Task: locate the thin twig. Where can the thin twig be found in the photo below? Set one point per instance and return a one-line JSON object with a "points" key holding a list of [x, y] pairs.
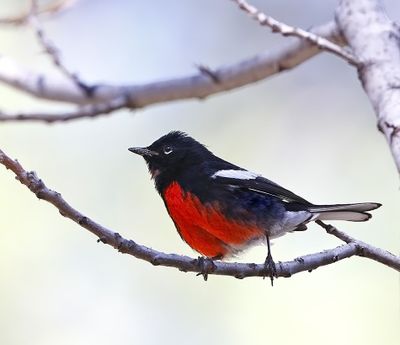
{"points": [[364, 249], [51, 8], [53, 52], [86, 111], [183, 263], [287, 30]]}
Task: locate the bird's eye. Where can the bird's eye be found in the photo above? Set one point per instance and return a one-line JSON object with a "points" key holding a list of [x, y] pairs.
{"points": [[168, 150]]}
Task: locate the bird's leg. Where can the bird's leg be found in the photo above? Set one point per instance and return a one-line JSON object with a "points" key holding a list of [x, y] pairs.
{"points": [[269, 264], [206, 266]]}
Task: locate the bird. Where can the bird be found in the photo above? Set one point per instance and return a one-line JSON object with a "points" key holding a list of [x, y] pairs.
{"points": [[220, 209]]}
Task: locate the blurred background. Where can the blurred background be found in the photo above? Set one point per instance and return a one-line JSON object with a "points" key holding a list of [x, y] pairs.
{"points": [[311, 129]]}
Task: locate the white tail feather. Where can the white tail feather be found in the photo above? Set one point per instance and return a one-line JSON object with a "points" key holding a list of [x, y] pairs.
{"points": [[351, 212], [350, 216]]}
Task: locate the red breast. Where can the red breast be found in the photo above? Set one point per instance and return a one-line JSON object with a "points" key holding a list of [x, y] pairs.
{"points": [[204, 227]]}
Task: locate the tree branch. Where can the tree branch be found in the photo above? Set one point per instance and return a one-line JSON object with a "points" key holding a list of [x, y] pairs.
{"points": [[375, 39], [364, 249], [49, 9], [204, 83], [52, 51], [85, 111], [286, 30], [183, 263]]}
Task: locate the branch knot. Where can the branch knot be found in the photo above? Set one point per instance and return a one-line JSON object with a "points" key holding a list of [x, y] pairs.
{"points": [[35, 184]]}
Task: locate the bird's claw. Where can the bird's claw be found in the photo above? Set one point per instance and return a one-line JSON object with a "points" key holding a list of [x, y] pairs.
{"points": [[270, 268], [206, 266]]}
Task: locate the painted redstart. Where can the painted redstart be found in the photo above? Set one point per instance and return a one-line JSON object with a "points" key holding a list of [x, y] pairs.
{"points": [[220, 209]]}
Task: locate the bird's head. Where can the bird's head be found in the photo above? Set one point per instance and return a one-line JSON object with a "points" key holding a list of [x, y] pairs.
{"points": [[172, 154]]}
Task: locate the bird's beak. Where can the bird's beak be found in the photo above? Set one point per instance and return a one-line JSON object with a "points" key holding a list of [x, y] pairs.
{"points": [[143, 151]]}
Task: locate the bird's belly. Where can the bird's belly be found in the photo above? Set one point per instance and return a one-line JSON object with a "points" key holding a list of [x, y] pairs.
{"points": [[205, 228]]}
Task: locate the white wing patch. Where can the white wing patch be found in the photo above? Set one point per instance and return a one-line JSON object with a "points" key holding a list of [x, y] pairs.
{"points": [[238, 174]]}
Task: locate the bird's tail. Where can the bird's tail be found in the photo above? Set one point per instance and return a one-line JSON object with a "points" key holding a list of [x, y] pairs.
{"points": [[351, 212]]}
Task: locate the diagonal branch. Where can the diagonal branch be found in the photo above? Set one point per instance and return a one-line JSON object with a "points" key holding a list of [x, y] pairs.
{"points": [[49, 9], [375, 39], [85, 111], [287, 30], [364, 249], [52, 51], [204, 83], [183, 263]]}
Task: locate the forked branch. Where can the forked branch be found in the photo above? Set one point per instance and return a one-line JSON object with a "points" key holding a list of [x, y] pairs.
{"points": [[199, 85], [287, 30]]}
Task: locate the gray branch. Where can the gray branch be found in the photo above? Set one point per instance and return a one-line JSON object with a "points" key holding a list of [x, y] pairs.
{"points": [[287, 30], [85, 111], [200, 265], [199, 85], [375, 40]]}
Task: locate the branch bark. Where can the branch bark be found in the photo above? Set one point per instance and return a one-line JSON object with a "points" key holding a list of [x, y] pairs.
{"points": [[375, 40], [200, 265]]}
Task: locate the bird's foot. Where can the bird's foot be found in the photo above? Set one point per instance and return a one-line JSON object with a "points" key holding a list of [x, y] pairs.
{"points": [[270, 268], [206, 266]]}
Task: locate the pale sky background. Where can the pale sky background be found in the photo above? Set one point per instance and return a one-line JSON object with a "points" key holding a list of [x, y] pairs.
{"points": [[311, 129]]}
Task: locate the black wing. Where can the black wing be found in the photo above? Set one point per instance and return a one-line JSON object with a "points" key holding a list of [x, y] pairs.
{"points": [[262, 185]]}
